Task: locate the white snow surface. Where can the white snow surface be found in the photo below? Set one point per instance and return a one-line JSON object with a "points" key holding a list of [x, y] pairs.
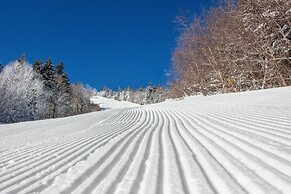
{"points": [[232, 143], [106, 103]]}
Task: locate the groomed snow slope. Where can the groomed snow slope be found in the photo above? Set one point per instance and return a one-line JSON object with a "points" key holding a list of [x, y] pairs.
{"points": [[234, 143]]}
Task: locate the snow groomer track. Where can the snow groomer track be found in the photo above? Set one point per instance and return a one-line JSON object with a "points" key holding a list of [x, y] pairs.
{"points": [[233, 143]]}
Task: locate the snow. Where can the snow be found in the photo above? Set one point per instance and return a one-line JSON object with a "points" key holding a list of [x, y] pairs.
{"points": [[106, 103], [232, 143]]}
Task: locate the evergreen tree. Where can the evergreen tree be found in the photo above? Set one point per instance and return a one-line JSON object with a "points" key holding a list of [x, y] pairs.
{"points": [[1, 67], [60, 68], [65, 82], [22, 59], [62, 91], [49, 84], [37, 67], [47, 73]]}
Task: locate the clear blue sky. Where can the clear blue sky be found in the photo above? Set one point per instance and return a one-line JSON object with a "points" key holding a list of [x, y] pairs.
{"points": [[102, 42]]}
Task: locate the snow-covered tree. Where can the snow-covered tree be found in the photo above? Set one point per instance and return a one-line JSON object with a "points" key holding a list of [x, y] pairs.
{"points": [[80, 99], [150, 94], [20, 93], [39, 92]]}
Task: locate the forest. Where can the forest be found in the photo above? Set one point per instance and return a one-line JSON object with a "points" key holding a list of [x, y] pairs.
{"points": [[236, 46], [40, 91]]}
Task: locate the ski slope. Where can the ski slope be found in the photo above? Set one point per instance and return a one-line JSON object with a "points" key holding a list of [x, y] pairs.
{"points": [[106, 103], [233, 143]]}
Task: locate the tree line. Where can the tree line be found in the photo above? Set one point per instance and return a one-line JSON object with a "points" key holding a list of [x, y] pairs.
{"points": [[148, 95], [237, 46], [40, 91]]}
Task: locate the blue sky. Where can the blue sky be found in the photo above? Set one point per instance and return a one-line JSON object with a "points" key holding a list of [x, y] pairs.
{"points": [[102, 42]]}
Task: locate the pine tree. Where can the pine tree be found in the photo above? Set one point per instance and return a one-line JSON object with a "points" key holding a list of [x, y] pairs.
{"points": [[49, 84], [1, 67], [37, 67], [60, 68], [65, 82], [36, 114], [22, 59], [62, 91], [47, 73]]}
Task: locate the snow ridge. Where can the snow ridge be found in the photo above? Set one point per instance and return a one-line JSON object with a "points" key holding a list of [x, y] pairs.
{"points": [[235, 143]]}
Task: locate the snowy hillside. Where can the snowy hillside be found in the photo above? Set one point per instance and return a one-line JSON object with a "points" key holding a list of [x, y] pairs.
{"points": [[233, 143], [106, 103]]}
